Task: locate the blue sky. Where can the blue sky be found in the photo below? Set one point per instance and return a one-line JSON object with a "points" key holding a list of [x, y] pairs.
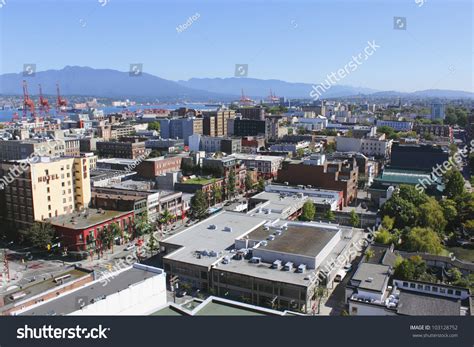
{"points": [[293, 40]]}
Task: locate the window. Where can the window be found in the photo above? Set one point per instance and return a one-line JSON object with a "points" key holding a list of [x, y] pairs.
{"points": [[442, 290], [412, 285], [450, 291], [428, 288], [405, 284], [419, 286], [458, 292], [434, 289], [354, 311]]}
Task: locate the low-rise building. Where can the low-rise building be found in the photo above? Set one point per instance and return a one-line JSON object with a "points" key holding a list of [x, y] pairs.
{"points": [[79, 231], [396, 125], [115, 149], [267, 166], [340, 175], [250, 258], [151, 168], [128, 290]]}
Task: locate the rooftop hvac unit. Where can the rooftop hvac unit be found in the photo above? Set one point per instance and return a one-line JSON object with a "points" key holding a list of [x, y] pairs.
{"points": [[276, 264], [288, 266], [227, 229], [369, 279], [271, 237], [212, 227], [255, 260], [263, 243], [212, 254], [302, 268]]}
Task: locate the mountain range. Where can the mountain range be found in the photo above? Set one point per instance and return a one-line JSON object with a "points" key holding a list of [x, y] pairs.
{"points": [[86, 81]]}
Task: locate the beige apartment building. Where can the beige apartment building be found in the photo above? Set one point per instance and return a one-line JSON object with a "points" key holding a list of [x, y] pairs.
{"points": [[47, 188]]}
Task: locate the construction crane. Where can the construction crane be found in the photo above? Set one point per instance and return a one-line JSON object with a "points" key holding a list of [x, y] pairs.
{"points": [[60, 102], [43, 103], [27, 102]]}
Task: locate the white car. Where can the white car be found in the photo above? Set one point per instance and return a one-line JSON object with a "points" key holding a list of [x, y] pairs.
{"points": [[130, 247]]}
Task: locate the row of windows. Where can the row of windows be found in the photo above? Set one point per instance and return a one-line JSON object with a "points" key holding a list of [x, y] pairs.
{"points": [[433, 289]]}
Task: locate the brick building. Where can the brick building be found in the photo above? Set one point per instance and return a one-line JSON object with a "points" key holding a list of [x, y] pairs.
{"points": [[332, 175], [153, 167]]}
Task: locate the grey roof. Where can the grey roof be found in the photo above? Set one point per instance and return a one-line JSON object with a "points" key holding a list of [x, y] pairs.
{"points": [[371, 276], [304, 240], [69, 303], [199, 237], [418, 304]]}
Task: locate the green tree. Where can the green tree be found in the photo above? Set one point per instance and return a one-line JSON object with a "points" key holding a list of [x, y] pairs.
{"points": [[199, 205], [369, 254], [354, 218], [330, 215], [432, 216], [248, 181], [455, 274], [105, 239], [141, 224], [410, 269], [454, 183], [384, 237], [152, 244], [403, 211], [40, 234], [469, 226], [411, 194], [423, 240], [216, 193], [261, 184], [115, 231], [388, 222], [300, 152], [231, 181], [154, 126], [308, 211], [165, 217], [450, 212]]}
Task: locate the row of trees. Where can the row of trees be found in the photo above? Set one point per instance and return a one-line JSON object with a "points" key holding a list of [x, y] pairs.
{"points": [[200, 201], [308, 213], [42, 235]]}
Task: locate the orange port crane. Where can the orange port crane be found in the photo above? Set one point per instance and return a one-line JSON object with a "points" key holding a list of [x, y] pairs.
{"points": [[43, 102], [60, 102], [27, 102]]}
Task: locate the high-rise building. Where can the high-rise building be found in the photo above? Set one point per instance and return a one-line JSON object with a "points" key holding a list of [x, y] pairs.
{"points": [[437, 111], [220, 123], [49, 187]]}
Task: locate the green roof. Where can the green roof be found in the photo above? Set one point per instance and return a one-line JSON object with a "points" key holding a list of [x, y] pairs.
{"points": [[403, 176], [200, 180]]}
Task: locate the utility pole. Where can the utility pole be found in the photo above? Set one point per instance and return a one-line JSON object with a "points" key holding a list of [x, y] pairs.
{"points": [[174, 282]]}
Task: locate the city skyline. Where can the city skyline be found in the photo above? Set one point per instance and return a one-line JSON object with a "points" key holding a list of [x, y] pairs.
{"points": [[200, 40]]}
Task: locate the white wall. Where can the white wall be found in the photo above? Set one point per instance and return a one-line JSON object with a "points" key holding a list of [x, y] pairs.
{"points": [[138, 299]]}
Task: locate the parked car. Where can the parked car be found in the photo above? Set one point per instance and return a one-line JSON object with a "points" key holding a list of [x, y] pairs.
{"points": [[130, 246]]}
